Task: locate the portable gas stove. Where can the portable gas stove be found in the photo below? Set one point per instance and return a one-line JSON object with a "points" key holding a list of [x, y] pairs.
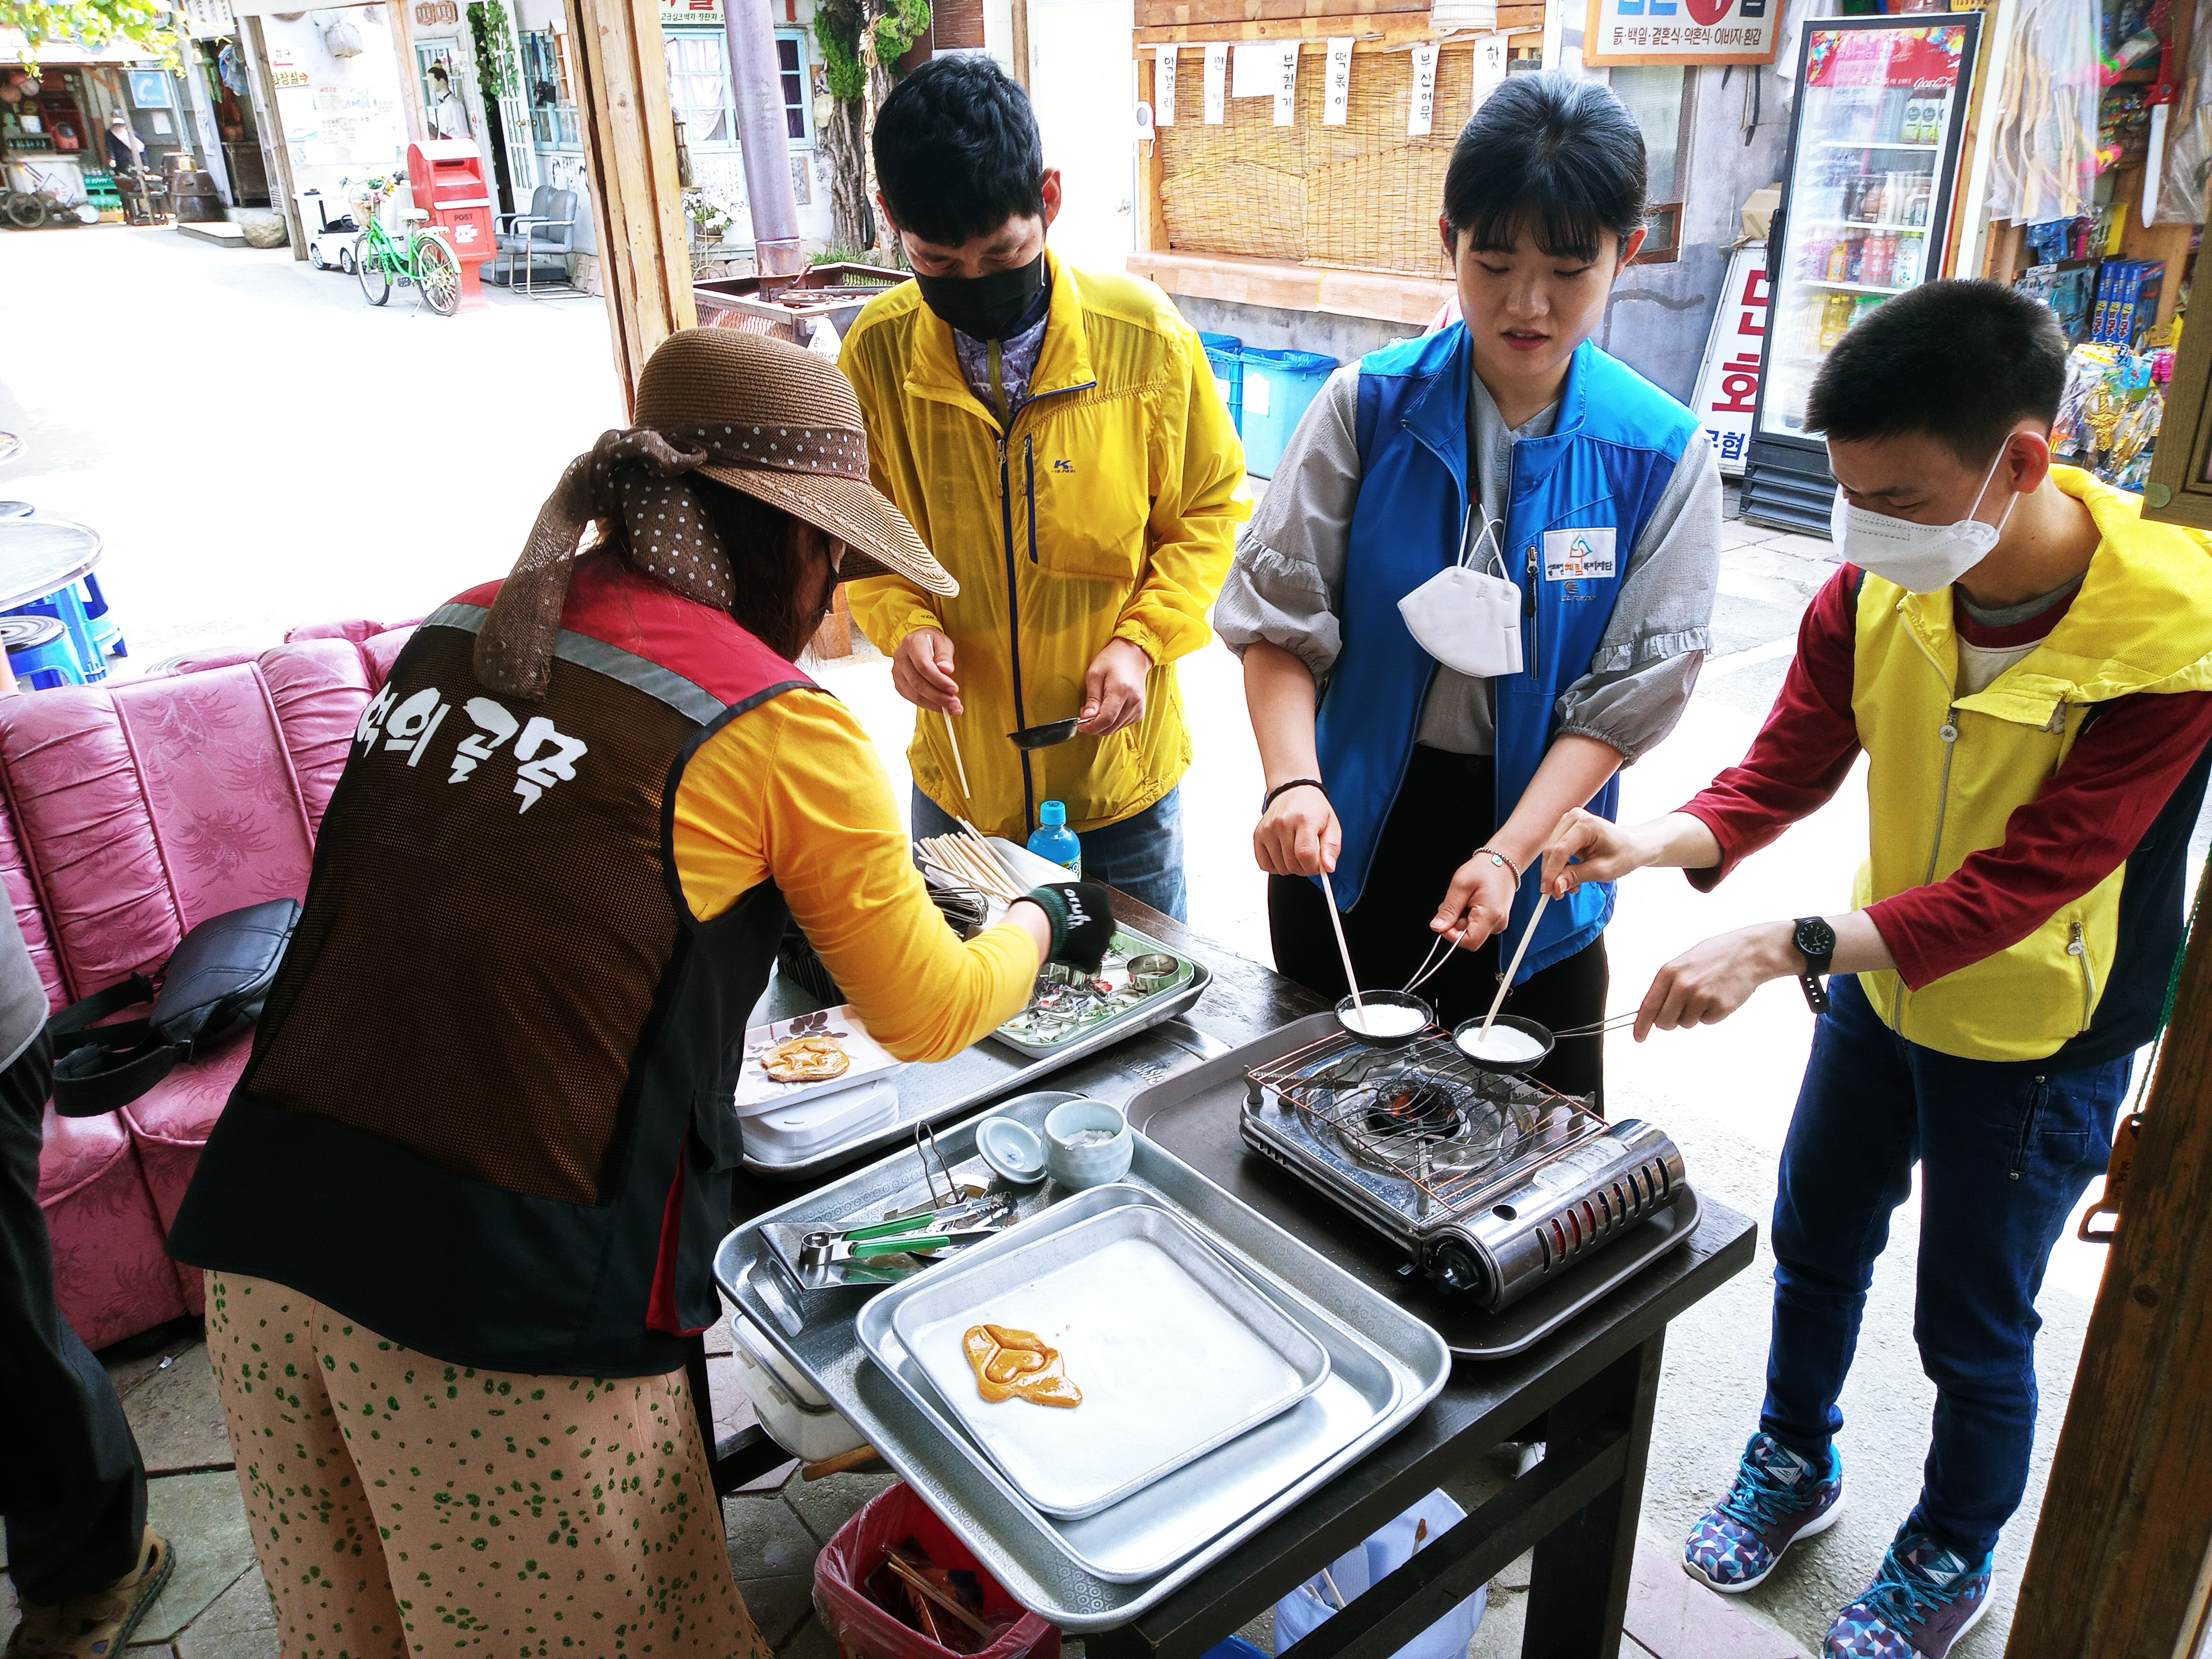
{"points": [[1490, 1184]]}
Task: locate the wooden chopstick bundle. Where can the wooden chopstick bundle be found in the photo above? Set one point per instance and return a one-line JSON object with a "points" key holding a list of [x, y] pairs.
{"points": [[966, 857]]}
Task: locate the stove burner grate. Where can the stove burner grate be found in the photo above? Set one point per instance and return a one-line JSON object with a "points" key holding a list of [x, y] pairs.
{"points": [[1421, 1113]]}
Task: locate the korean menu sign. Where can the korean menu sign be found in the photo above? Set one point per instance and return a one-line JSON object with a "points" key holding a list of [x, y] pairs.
{"points": [[1728, 381], [1682, 32]]}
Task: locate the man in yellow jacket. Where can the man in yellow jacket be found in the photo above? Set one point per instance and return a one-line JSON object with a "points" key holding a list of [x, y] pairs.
{"points": [[1056, 436], [2027, 665]]}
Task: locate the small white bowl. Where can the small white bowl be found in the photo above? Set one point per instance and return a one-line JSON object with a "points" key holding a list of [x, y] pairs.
{"points": [[1092, 1164], [1011, 1149]]}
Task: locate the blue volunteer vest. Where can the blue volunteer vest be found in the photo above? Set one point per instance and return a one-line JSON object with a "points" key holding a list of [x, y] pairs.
{"points": [[1579, 500]]}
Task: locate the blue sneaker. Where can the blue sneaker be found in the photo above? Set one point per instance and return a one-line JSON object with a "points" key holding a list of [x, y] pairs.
{"points": [[1778, 1497], [1923, 1599]]}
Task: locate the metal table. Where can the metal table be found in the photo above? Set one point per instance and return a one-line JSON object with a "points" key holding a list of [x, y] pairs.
{"points": [[38, 556], [1588, 1391]]}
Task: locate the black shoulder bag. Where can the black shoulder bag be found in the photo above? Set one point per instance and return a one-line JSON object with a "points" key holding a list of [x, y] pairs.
{"points": [[211, 989]]}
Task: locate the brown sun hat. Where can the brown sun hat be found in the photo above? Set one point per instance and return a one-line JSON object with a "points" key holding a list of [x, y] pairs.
{"points": [[749, 411]]}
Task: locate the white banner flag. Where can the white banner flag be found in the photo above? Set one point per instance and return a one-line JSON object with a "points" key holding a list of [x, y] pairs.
{"points": [[1420, 112], [1164, 67], [1336, 89], [1489, 57], [1286, 88], [1216, 79]]}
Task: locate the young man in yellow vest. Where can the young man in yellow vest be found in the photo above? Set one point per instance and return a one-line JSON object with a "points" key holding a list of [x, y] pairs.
{"points": [[2028, 667], [1056, 436]]}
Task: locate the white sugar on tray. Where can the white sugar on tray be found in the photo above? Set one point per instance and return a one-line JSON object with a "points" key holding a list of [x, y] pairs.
{"points": [[1383, 1019], [1502, 1045]]}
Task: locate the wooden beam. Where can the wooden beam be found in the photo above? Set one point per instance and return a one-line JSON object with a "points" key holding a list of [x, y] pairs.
{"points": [[401, 13], [1177, 14], [621, 75], [1292, 287], [2119, 1568], [275, 144], [1151, 227]]}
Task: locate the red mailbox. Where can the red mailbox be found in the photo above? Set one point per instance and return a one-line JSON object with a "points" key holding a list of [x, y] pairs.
{"points": [[447, 177]]}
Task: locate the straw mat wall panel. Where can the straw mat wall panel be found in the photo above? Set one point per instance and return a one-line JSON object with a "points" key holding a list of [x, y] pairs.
{"points": [[1362, 196]]}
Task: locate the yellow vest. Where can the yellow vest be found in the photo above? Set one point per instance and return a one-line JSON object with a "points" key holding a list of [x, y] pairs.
{"points": [[1946, 771], [1109, 508]]}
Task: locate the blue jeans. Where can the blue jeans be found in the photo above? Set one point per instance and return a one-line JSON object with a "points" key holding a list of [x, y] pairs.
{"points": [[1141, 855], [2005, 1150]]}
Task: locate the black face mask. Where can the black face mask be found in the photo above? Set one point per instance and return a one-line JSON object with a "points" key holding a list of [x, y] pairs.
{"points": [[984, 308]]}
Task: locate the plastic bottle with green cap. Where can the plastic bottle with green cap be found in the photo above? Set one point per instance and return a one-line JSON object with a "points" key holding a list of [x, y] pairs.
{"points": [[1053, 840]]}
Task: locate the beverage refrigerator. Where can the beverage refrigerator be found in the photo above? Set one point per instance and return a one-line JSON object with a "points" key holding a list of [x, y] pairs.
{"points": [[1874, 141]]}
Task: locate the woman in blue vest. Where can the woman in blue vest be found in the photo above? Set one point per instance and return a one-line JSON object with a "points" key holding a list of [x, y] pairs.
{"points": [[1478, 584]]}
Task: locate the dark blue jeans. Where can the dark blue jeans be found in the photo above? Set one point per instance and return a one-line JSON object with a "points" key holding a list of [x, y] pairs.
{"points": [[2005, 1152], [1142, 855]]}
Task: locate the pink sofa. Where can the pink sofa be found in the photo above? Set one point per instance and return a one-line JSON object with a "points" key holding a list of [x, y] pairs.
{"points": [[129, 812]]}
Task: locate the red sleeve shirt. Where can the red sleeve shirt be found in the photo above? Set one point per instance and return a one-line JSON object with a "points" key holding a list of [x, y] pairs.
{"points": [[2092, 814]]}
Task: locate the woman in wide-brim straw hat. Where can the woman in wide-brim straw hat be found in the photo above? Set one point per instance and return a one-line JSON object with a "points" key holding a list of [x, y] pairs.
{"points": [[457, 1216]]}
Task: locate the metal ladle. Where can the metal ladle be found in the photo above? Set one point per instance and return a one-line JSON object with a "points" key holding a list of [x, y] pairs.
{"points": [[1043, 736]]}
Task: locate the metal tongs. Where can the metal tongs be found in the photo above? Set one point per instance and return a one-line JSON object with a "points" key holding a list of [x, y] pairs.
{"points": [[911, 1235]]}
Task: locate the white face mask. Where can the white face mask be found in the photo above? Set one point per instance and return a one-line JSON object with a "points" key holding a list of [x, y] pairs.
{"points": [[1921, 558], [1466, 618]]}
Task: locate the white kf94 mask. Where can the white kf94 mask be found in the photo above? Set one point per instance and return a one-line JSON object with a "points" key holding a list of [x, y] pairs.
{"points": [[1921, 558], [1466, 618]]}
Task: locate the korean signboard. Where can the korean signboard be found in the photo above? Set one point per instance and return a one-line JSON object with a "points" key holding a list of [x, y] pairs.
{"points": [[1728, 383], [1682, 32]]}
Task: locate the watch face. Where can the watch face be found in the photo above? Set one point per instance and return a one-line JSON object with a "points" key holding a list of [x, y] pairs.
{"points": [[1815, 938]]}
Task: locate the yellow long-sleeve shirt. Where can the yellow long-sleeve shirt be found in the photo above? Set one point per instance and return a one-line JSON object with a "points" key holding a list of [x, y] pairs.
{"points": [[1107, 509], [791, 792]]}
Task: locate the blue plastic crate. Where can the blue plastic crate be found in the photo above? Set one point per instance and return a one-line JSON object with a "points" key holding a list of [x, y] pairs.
{"points": [[1227, 353], [1277, 389]]}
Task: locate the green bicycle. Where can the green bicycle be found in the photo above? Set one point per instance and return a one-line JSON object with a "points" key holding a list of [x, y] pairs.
{"points": [[427, 260]]}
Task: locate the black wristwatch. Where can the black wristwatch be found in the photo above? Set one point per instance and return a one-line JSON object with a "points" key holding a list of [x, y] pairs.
{"points": [[1816, 942]]}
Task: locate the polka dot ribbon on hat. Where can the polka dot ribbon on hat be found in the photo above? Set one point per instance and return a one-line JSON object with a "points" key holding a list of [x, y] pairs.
{"points": [[636, 476]]}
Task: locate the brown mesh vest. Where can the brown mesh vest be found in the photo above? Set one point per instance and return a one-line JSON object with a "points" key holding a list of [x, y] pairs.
{"points": [[487, 1113]]}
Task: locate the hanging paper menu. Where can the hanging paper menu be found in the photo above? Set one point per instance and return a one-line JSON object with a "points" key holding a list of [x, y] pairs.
{"points": [[1216, 79], [1164, 87], [1336, 87], [1420, 112], [1286, 84]]}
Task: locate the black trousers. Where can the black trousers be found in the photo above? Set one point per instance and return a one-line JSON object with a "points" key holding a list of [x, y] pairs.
{"points": [[72, 1489], [1446, 810]]}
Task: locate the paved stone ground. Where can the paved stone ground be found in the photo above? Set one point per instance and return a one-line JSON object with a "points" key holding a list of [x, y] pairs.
{"points": [[260, 448]]}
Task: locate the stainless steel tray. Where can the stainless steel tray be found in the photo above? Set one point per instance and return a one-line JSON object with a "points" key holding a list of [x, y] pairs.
{"points": [[1151, 1010], [1197, 1111], [1176, 1351], [1072, 1572]]}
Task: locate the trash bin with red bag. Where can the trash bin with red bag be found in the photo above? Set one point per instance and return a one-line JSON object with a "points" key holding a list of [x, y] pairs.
{"points": [[856, 1589]]}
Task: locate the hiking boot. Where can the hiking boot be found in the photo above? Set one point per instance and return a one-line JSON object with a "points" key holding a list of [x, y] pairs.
{"points": [[1924, 1598], [1778, 1497], [96, 1626]]}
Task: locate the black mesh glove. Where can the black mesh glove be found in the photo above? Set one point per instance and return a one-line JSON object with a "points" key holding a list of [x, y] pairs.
{"points": [[1082, 917]]}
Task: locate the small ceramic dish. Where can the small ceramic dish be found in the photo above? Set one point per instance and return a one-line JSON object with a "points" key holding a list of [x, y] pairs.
{"points": [[1073, 1156], [1385, 1020], [1464, 1034], [1011, 1149]]}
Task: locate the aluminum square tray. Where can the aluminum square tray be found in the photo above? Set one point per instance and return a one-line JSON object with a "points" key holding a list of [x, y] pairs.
{"points": [[1176, 1352], [1180, 1522], [1102, 1570]]}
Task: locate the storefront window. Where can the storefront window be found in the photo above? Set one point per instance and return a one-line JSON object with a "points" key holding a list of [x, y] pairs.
{"points": [[793, 72], [698, 86], [1657, 96]]}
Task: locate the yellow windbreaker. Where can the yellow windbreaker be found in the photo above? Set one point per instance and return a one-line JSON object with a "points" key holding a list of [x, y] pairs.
{"points": [[1946, 771], [1107, 511]]}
